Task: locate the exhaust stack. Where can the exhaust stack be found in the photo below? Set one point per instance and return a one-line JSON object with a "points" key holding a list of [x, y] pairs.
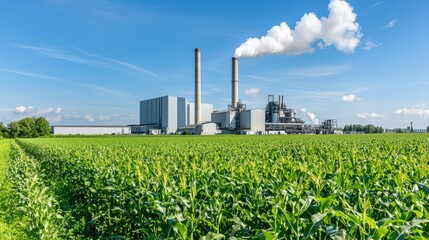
{"points": [[197, 86], [234, 95]]}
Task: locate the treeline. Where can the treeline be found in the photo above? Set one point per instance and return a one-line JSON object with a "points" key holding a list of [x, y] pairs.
{"points": [[361, 128], [26, 128]]}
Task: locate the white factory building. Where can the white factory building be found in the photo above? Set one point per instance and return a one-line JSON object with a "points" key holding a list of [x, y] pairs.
{"points": [[91, 130], [250, 121], [168, 114]]}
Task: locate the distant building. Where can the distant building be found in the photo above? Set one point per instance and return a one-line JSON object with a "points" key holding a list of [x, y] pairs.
{"points": [[91, 130], [168, 113], [244, 120], [206, 111]]}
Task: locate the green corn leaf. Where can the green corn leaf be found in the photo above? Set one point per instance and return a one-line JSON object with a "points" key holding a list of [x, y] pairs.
{"points": [[212, 236], [312, 228]]}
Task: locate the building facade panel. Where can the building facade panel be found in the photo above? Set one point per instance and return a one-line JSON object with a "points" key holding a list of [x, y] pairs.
{"points": [[206, 113], [91, 130]]}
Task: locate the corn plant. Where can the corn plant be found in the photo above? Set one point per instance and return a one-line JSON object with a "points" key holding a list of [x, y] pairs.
{"points": [[239, 187]]}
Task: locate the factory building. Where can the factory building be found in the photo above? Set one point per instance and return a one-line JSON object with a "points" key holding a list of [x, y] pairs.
{"points": [[206, 111], [252, 120], [237, 119], [166, 113], [91, 130], [169, 113]]}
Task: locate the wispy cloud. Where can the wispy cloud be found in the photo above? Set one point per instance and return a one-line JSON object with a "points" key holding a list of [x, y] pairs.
{"points": [[120, 63], [107, 91], [391, 24], [37, 111], [368, 45], [421, 110], [372, 7], [264, 79], [59, 53], [318, 94], [252, 91], [369, 115], [79, 56], [214, 70], [300, 73], [97, 88], [375, 5], [33, 75], [315, 72]]}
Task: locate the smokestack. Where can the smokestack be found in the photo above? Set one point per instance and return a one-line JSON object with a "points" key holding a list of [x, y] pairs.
{"points": [[197, 86], [234, 95]]}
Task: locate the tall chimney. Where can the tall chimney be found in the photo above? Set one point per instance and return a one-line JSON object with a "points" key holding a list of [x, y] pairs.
{"points": [[234, 95], [197, 86]]}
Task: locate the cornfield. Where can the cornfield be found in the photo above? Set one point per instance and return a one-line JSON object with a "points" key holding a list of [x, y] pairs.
{"points": [[224, 187]]}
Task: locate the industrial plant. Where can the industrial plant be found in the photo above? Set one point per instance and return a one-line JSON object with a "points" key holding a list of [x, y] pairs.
{"points": [[176, 115]]}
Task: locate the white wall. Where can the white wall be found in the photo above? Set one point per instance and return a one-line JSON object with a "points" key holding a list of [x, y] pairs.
{"points": [[91, 130], [206, 113], [253, 120]]}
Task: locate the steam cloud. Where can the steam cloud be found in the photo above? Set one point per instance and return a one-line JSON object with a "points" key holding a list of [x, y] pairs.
{"points": [[311, 116], [339, 29]]}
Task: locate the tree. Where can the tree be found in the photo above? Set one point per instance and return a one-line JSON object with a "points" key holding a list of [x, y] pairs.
{"points": [[14, 129], [3, 131], [427, 129], [27, 127], [42, 126]]}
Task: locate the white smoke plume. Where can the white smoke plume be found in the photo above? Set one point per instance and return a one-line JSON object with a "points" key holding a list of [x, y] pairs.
{"points": [[311, 116], [339, 29]]}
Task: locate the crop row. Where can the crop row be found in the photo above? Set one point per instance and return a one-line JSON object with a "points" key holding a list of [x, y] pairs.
{"points": [[234, 187]]}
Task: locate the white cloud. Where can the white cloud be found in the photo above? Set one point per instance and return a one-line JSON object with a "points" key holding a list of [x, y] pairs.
{"points": [[55, 119], [350, 98], [36, 111], [421, 110], [89, 118], [391, 24], [44, 111], [339, 29], [104, 117], [368, 45], [20, 109], [23, 109], [369, 115], [252, 91]]}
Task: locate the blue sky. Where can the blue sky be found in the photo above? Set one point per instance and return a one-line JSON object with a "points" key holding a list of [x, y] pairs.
{"points": [[91, 62]]}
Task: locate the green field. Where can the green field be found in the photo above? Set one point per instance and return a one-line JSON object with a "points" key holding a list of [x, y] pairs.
{"points": [[222, 187]]}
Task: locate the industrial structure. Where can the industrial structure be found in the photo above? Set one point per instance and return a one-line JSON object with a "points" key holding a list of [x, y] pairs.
{"points": [[280, 118], [90, 130], [237, 119], [175, 115], [169, 113]]}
